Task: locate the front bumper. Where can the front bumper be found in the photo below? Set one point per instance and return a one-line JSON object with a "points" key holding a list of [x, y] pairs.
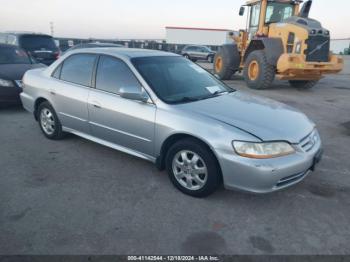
{"points": [[268, 175], [10, 95], [294, 67]]}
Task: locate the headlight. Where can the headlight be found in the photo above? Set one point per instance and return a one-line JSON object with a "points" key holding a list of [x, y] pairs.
{"points": [[6, 83], [313, 32], [262, 150]]}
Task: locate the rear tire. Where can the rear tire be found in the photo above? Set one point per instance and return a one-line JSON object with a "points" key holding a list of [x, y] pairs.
{"points": [[303, 84], [226, 61], [49, 123], [193, 168], [258, 73]]}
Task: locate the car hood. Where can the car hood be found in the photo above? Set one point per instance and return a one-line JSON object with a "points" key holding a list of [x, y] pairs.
{"points": [[262, 117], [16, 71]]}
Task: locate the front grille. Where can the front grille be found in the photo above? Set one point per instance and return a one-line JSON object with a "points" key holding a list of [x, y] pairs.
{"points": [[309, 142], [317, 48]]}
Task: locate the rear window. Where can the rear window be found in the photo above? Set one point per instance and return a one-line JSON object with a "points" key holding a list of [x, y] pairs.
{"points": [[12, 55], [37, 42]]}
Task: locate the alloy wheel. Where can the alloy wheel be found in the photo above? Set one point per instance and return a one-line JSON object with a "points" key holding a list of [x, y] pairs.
{"points": [[190, 170], [47, 121]]}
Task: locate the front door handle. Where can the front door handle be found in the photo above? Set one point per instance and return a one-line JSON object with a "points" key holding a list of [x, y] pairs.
{"points": [[96, 104]]}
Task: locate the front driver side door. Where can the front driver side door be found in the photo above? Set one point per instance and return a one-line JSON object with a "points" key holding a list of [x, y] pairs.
{"points": [[124, 122]]}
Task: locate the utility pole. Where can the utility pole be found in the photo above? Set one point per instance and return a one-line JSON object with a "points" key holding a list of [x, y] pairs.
{"points": [[52, 28]]}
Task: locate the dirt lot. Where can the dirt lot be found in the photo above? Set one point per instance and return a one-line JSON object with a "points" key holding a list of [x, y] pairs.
{"points": [[78, 197]]}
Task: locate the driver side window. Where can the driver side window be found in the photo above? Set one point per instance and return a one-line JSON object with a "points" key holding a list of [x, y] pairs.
{"points": [[255, 16], [254, 20], [113, 74]]}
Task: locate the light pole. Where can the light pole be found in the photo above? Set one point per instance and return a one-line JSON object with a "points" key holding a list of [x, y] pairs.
{"points": [[52, 28]]}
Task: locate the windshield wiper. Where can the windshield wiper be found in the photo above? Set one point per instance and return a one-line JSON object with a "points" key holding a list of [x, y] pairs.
{"points": [[186, 99], [216, 93]]}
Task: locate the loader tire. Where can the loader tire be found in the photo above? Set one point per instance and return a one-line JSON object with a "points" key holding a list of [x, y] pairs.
{"points": [[258, 73], [303, 84], [226, 61]]}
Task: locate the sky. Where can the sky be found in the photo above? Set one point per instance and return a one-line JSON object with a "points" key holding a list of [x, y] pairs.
{"points": [[144, 19]]}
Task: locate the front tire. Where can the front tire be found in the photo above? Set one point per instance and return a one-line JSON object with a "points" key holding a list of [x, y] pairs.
{"points": [[226, 61], [49, 123], [193, 168], [302, 84], [258, 73]]}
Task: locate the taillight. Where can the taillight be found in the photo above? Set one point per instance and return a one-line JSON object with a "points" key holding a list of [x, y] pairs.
{"points": [[57, 54]]}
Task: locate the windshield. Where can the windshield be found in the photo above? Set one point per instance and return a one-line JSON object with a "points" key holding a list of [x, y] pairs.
{"points": [[277, 12], [205, 48], [12, 55], [37, 42], [178, 80]]}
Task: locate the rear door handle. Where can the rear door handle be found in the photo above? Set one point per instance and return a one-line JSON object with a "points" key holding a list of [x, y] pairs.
{"points": [[52, 92]]}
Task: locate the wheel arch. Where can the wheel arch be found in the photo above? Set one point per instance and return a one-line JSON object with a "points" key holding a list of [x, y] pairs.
{"points": [[37, 103], [273, 48], [172, 139]]}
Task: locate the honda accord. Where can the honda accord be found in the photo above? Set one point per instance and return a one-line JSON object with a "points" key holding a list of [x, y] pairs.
{"points": [[166, 109]]}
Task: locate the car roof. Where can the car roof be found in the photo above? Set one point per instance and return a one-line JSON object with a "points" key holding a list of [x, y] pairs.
{"points": [[125, 52], [25, 33], [102, 44]]}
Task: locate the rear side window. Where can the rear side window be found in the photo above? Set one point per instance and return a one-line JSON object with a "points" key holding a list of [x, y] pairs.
{"points": [[113, 74], [13, 55], [78, 69]]}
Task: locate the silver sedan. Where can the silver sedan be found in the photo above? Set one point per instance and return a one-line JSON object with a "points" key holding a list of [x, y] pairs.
{"points": [[164, 108]]}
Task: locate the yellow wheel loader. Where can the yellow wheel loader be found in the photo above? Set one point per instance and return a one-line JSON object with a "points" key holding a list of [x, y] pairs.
{"points": [[280, 41]]}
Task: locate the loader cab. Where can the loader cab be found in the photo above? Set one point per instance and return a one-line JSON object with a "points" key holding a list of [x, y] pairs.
{"points": [[262, 13]]}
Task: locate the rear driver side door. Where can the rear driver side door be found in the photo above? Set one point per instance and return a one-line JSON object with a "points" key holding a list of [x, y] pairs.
{"points": [[70, 90]]}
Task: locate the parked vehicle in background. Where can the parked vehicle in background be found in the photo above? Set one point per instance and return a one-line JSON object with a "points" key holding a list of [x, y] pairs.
{"points": [[198, 52], [93, 45], [40, 46], [14, 62], [163, 108]]}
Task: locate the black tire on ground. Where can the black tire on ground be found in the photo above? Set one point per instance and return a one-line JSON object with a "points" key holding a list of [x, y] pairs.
{"points": [[230, 61], [266, 72], [302, 84], [214, 178], [57, 133]]}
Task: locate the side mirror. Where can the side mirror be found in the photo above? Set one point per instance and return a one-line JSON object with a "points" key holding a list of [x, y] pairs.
{"points": [[241, 11], [134, 93]]}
